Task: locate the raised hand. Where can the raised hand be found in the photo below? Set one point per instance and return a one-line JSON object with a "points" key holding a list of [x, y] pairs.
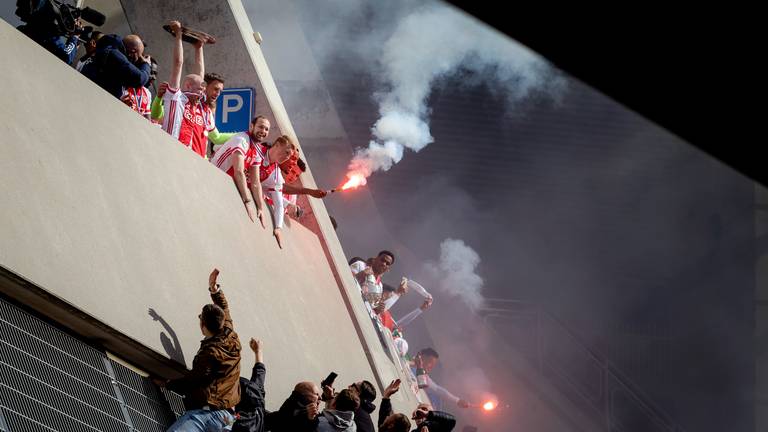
{"points": [[212, 280], [391, 389]]}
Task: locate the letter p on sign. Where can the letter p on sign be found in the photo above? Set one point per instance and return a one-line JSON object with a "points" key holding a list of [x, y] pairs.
{"points": [[232, 103], [234, 109]]}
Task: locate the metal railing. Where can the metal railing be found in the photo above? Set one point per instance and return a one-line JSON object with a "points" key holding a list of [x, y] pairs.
{"points": [[591, 382], [50, 381]]}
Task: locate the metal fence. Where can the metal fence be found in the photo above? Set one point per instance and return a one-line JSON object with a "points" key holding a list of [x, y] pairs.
{"points": [[50, 381]]}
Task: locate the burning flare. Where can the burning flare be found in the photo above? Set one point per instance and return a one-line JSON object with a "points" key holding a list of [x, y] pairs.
{"points": [[489, 406], [354, 181]]}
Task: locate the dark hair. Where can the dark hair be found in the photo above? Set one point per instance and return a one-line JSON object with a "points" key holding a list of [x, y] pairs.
{"points": [[386, 252], [255, 119], [429, 352], [397, 423], [355, 259], [301, 164], [213, 318], [347, 400], [367, 391], [212, 76], [388, 287], [95, 35]]}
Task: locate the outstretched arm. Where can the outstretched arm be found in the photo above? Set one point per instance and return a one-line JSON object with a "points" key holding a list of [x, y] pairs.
{"points": [[178, 56], [241, 183], [218, 297], [259, 371], [219, 138], [278, 210], [299, 190], [258, 195], [199, 59], [442, 392]]}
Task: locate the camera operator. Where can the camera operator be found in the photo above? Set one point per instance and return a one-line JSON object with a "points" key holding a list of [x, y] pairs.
{"points": [[113, 67], [62, 46], [56, 25], [90, 49]]}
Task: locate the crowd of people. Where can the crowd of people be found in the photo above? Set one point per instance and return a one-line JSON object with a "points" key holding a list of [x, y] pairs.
{"points": [[379, 298], [185, 107], [216, 396]]}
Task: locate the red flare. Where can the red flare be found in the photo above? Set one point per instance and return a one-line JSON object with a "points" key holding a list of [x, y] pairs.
{"points": [[354, 181]]}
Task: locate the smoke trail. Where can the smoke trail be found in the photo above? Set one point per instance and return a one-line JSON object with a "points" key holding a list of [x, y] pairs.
{"points": [[433, 42], [456, 272]]}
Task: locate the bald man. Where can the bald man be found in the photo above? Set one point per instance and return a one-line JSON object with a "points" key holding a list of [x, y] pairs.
{"points": [[115, 68], [299, 412], [137, 98], [187, 118]]}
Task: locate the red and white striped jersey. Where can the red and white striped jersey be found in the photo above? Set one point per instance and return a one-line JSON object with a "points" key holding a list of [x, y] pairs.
{"points": [[186, 121], [239, 143], [140, 99]]}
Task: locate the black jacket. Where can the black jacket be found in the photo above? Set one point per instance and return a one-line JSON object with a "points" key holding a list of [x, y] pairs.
{"points": [[250, 410], [112, 70], [363, 417], [438, 421], [385, 410], [291, 417]]}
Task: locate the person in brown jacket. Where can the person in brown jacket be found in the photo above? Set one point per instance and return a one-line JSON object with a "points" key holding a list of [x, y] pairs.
{"points": [[212, 387]]}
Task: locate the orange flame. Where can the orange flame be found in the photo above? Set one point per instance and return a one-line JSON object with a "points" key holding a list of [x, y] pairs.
{"points": [[354, 181], [489, 406]]}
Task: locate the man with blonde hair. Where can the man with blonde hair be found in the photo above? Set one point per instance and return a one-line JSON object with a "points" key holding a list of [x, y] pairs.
{"points": [[255, 168]]}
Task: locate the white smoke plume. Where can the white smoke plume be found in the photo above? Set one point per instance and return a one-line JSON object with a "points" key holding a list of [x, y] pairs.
{"points": [[432, 42], [456, 272]]}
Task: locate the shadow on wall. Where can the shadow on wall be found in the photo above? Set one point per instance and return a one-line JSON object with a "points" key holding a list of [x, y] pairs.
{"points": [[171, 344]]}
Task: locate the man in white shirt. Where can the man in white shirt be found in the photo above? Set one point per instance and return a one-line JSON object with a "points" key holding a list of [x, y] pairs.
{"points": [[368, 274], [429, 358]]}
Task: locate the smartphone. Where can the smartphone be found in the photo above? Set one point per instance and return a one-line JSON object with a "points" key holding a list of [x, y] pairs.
{"points": [[328, 381]]}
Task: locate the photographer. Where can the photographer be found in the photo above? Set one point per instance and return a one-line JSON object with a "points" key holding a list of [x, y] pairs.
{"points": [[428, 420], [113, 65], [298, 413], [138, 98], [90, 49], [62, 46], [56, 25]]}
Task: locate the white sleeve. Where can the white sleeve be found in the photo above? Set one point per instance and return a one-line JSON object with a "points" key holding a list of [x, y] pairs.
{"points": [[388, 303], [418, 288], [443, 393], [239, 142], [278, 207], [358, 266], [409, 317]]}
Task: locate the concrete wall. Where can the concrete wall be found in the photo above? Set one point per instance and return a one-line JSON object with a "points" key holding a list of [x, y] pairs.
{"points": [[108, 216]]}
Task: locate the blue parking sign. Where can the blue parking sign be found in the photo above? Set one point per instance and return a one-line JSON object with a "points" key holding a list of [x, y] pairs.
{"points": [[234, 109]]}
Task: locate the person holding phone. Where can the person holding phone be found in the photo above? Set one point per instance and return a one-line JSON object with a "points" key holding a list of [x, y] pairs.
{"points": [[299, 412]]}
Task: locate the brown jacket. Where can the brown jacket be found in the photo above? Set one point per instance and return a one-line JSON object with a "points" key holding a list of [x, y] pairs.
{"points": [[215, 376]]}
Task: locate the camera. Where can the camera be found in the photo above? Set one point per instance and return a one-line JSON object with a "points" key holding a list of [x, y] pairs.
{"points": [[51, 18]]}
